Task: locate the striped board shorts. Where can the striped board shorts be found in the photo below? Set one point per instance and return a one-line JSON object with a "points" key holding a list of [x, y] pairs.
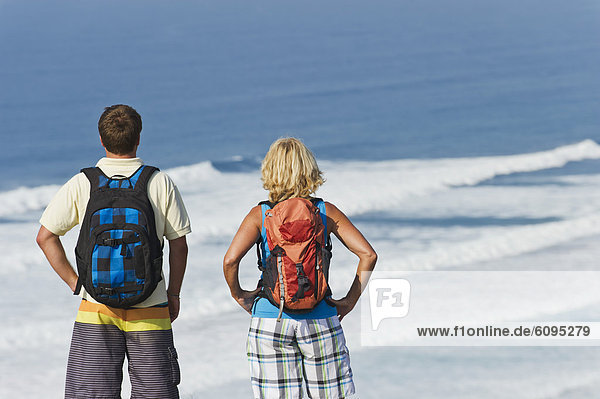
{"points": [[284, 354], [103, 336]]}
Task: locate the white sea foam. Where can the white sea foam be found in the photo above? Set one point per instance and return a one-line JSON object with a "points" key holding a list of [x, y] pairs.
{"points": [[25, 199], [384, 185], [356, 186], [492, 244]]}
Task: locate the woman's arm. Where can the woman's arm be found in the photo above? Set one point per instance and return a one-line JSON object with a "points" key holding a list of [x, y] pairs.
{"points": [[243, 240], [351, 237]]}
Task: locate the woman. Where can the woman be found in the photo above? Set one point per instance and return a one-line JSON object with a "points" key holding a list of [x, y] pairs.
{"points": [[307, 346]]}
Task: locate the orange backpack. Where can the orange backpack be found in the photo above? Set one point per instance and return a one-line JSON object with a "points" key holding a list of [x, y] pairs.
{"points": [[295, 268]]}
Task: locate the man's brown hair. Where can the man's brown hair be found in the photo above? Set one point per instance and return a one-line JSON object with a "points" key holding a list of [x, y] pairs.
{"points": [[120, 127]]}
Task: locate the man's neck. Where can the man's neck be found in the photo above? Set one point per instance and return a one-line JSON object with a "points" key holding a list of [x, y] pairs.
{"points": [[121, 156]]}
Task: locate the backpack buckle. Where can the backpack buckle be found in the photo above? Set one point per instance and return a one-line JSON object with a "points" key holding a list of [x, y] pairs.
{"points": [[304, 284], [112, 242]]}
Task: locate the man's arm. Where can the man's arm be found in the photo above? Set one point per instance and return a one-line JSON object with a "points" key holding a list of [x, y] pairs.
{"points": [[55, 253], [178, 251]]}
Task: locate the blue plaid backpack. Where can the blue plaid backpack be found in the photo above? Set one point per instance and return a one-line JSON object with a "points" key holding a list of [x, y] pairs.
{"points": [[118, 253]]}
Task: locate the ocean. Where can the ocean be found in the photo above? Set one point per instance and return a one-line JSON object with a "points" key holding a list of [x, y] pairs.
{"points": [[455, 135]]}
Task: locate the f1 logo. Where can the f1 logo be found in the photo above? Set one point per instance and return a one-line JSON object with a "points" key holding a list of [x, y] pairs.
{"points": [[388, 297]]}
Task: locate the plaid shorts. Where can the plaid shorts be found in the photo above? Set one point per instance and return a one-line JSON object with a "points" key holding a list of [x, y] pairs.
{"points": [[284, 354]]}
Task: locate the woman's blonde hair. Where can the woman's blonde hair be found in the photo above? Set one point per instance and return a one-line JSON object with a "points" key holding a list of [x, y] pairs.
{"points": [[290, 170]]}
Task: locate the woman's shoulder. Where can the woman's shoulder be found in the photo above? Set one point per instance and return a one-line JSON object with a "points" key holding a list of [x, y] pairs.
{"points": [[331, 209], [255, 211], [255, 215]]}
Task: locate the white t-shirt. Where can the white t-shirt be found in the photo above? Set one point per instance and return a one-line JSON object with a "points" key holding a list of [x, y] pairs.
{"points": [[67, 209]]}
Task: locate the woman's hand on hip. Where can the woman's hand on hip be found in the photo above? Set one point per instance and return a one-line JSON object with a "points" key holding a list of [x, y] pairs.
{"points": [[246, 299]]}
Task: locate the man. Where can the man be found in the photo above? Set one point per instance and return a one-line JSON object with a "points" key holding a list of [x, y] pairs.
{"points": [[103, 335]]}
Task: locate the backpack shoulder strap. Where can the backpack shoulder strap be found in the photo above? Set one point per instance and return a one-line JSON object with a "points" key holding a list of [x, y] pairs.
{"points": [[139, 179], [267, 203], [319, 203], [264, 205], [315, 201], [96, 177], [262, 239]]}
